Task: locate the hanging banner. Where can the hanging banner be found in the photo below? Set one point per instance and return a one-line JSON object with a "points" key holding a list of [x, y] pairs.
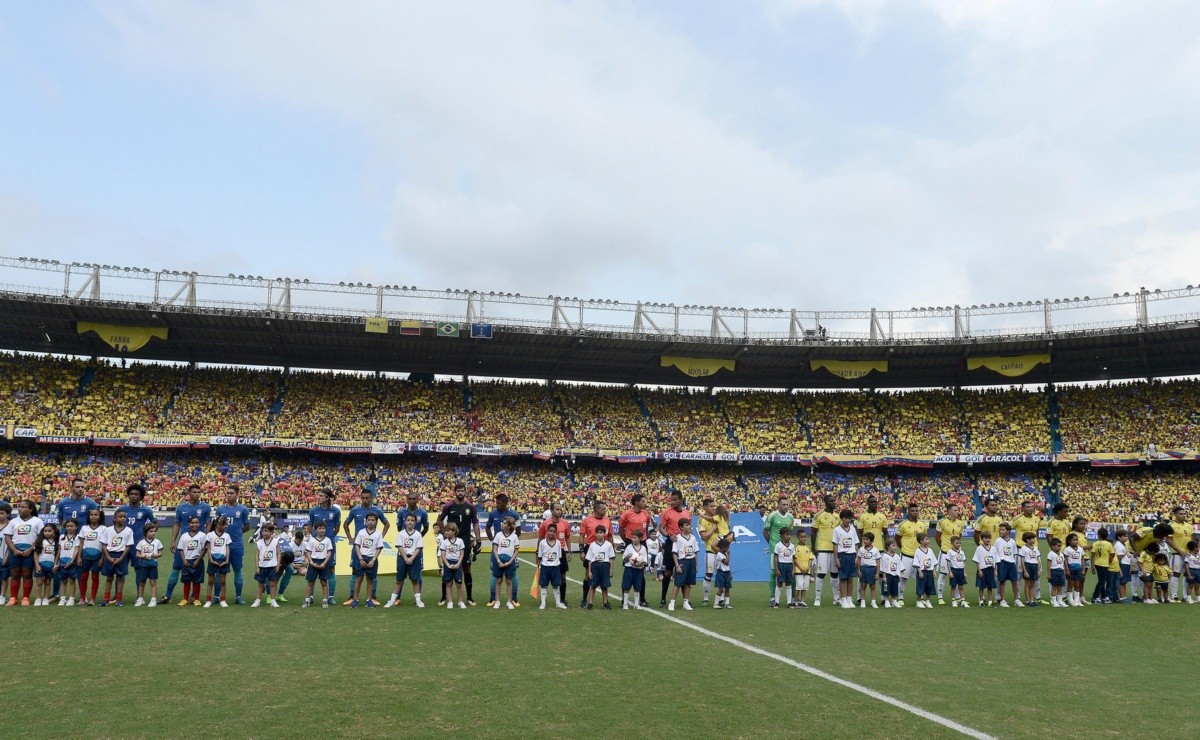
{"points": [[377, 325], [410, 328], [388, 448], [1009, 367], [697, 367], [849, 369], [123, 338]]}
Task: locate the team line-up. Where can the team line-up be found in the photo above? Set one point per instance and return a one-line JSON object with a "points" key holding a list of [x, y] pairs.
{"points": [[63, 563]]}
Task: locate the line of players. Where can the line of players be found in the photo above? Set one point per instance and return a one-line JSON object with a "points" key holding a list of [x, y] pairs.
{"points": [[1165, 558]]}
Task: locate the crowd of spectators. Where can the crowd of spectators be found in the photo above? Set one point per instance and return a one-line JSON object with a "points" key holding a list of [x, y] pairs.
{"points": [[1009, 420], [1129, 494], [234, 401], [1130, 417], [38, 391], [922, 422], [688, 419], [764, 421], [841, 423], [604, 417], [515, 414], [129, 400]]}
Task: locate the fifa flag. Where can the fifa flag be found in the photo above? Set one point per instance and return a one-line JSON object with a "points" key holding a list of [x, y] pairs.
{"points": [[410, 328], [447, 329], [481, 331], [377, 325]]}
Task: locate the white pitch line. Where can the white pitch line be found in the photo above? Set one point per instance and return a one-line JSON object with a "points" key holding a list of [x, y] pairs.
{"points": [[924, 714]]}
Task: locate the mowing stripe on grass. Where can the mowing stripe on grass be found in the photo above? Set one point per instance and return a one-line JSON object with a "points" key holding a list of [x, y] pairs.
{"points": [[936, 718]]}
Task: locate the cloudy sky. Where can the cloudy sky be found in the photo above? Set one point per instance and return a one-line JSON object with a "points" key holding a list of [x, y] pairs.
{"points": [[785, 153]]}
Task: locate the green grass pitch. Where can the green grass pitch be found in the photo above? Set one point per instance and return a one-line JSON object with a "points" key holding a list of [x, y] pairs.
{"points": [[280, 672]]}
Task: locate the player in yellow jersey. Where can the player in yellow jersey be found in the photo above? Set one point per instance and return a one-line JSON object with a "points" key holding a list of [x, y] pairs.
{"points": [[948, 527], [907, 531], [714, 527], [822, 536], [1059, 526], [1181, 534], [1027, 521], [989, 521], [874, 522]]}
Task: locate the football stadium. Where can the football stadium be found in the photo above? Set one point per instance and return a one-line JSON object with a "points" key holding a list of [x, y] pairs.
{"points": [[541, 368]]}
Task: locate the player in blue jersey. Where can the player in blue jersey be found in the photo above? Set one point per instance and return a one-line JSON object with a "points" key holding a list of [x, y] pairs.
{"points": [[358, 517], [237, 527], [413, 506], [190, 507], [331, 516], [137, 514], [74, 507]]}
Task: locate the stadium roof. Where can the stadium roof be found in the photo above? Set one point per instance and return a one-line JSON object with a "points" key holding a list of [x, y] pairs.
{"points": [[248, 320], [228, 336]]}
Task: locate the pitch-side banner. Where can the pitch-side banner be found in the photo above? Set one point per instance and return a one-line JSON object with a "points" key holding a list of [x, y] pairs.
{"points": [[697, 367], [850, 369], [748, 553], [1009, 367]]}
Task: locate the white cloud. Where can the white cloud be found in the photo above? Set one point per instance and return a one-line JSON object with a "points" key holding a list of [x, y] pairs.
{"points": [[582, 148]]}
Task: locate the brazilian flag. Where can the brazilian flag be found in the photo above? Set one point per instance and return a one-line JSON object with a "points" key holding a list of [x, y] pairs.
{"points": [[447, 329]]}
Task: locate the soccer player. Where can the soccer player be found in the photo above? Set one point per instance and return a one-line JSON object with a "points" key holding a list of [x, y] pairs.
{"points": [[669, 524], [845, 540], [948, 527], [329, 515], [192, 506], [783, 556], [587, 535], [146, 553], [1028, 521], [1058, 526], [465, 518], [599, 556], [505, 545], [452, 554], [267, 565], [638, 518], [685, 547], [218, 546], [874, 522], [137, 514], [358, 517], [74, 507], [775, 524], [495, 526], [989, 521], [822, 538], [562, 532], [237, 518], [1181, 535], [635, 558], [907, 532], [413, 507], [118, 544], [714, 527]]}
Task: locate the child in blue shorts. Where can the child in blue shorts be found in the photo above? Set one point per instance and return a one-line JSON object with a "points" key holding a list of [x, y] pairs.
{"points": [[549, 558], [723, 578], [317, 554], [1192, 562], [145, 564], [409, 562], [985, 558], [269, 549]]}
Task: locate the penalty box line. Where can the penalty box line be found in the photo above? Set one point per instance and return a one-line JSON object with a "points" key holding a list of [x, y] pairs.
{"points": [[905, 706]]}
